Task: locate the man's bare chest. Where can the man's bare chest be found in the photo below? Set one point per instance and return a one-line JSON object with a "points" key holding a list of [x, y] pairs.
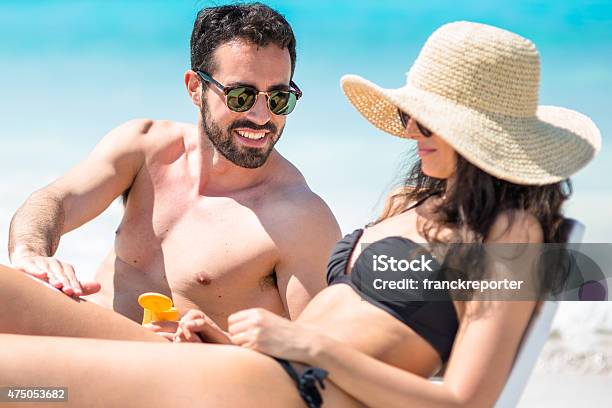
{"points": [[202, 242]]}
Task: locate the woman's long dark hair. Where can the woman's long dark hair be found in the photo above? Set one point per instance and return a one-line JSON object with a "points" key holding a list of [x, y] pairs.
{"points": [[472, 205], [477, 198]]}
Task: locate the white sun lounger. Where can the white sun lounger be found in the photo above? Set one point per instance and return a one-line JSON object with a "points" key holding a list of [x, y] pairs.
{"points": [[534, 338]]}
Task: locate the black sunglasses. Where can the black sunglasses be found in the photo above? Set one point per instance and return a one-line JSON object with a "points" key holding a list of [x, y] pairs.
{"points": [[242, 98], [405, 118]]}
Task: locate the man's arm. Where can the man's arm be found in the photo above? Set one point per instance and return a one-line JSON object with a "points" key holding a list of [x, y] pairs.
{"points": [[305, 246], [75, 198], [37, 225]]}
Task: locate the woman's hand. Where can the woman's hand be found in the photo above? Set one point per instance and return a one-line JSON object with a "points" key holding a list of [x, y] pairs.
{"points": [[196, 327], [263, 331], [166, 330]]}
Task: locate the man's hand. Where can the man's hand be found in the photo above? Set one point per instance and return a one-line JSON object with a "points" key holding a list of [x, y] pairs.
{"points": [[55, 272]]}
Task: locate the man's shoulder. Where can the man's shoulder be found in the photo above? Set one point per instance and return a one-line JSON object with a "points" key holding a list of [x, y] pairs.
{"points": [[300, 199], [156, 130], [291, 190], [150, 135], [303, 225], [297, 205]]}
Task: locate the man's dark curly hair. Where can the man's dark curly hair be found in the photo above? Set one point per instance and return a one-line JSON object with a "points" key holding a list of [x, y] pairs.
{"points": [[254, 23]]}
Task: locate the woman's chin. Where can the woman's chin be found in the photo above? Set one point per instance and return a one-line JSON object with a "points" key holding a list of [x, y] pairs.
{"points": [[435, 172]]}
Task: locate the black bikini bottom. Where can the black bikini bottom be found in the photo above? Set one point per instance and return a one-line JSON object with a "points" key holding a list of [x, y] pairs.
{"points": [[306, 383]]}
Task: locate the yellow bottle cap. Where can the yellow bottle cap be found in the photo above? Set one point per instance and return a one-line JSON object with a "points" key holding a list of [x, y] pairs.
{"points": [[157, 307], [170, 315], [155, 302]]}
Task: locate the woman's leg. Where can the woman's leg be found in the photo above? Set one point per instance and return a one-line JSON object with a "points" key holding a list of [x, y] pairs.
{"points": [[127, 373], [110, 373], [29, 307]]}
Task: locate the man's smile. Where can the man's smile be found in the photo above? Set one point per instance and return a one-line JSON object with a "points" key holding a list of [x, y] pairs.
{"points": [[252, 134], [252, 138]]}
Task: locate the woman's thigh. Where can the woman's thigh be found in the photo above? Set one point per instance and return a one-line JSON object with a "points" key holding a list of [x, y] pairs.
{"points": [[120, 373], [30, 307], [107, 371]]}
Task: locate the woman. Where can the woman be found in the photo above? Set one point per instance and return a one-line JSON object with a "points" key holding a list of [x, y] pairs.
{"points": [[493, 169]]}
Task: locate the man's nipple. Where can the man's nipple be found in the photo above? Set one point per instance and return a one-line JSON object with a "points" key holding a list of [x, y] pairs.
{"points": [[203, 279]]}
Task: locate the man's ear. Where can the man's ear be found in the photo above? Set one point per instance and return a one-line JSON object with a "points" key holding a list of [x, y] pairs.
{"points": [[192, 83]]}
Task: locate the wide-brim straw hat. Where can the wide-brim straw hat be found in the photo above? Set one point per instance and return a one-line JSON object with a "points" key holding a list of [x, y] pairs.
{"points": [[476, 86]]}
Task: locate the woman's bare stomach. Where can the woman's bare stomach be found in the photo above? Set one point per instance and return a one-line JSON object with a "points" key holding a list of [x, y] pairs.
{"points": [[342, 314]]}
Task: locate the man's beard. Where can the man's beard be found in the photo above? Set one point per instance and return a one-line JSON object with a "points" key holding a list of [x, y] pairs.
{"points": [[243, 156]]}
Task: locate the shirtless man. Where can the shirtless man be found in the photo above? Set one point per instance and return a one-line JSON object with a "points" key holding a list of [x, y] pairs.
{"points": [[214, 216]]}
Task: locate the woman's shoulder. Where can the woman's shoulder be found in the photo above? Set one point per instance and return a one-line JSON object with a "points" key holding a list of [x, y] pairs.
{"points": [[396, 201]]}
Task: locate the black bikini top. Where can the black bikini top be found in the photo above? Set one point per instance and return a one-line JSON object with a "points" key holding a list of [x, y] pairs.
{"points": [[434, 320]]}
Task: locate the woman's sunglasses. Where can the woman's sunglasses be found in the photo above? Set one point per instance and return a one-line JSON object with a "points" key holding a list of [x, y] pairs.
{"points": [[242, 98], [405, 118]]}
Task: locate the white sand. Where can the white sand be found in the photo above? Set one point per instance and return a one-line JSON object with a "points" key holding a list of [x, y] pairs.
{"points": [[567, 390]]}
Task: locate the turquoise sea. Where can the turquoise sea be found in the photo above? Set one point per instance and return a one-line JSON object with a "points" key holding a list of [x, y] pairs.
{"points": [[72, 70]]}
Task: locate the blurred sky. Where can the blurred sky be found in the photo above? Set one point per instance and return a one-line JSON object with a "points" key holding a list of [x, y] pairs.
{"points": [[72, 70]]}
